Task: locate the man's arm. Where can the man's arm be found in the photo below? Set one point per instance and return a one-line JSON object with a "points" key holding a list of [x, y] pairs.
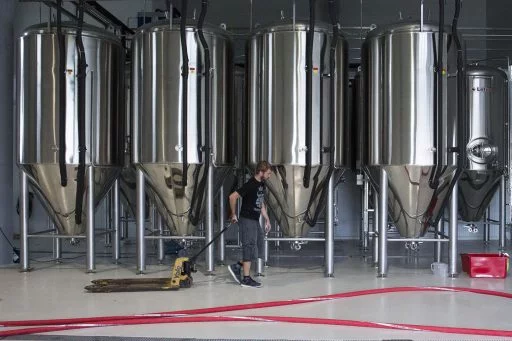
{"points": [[265, 215], [233, 197]]}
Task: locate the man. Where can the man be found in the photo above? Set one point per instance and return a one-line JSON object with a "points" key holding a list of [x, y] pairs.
{"points": [[253, 193]]}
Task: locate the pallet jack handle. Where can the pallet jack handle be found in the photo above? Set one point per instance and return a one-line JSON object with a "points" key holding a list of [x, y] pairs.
{"points": [[193, 259]]}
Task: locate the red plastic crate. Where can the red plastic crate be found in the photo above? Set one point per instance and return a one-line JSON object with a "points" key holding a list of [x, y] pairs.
{"points": [[489, 265]]}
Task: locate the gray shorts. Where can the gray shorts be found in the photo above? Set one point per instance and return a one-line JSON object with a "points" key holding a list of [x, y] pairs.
{"points": [[252, 239]]}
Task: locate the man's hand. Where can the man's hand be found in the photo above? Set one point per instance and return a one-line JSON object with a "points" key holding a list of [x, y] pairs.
{"points": [[233, 219], [267, 225]]}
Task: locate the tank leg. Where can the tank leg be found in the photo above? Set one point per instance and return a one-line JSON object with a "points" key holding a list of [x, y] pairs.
{"points": [[438, 246], [24, 260], [365, 227], [503, 217], [115, 222], [329, 230], [90, 230], [141, 242], [375, 227], [453, 232], [222, 220], [210, 255], [57, 245], [383, 224]]}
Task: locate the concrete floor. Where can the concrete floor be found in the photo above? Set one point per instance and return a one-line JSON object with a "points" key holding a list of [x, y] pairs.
{"points": [[53, 290]]}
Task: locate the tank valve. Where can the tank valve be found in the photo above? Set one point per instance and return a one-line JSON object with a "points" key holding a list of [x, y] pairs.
{"points": [[74, 241], [296, 245], [413, 246], [472, 228]]}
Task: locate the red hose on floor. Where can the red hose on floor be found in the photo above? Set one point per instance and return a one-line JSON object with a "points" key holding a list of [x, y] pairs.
{"points": [[184, 316]]}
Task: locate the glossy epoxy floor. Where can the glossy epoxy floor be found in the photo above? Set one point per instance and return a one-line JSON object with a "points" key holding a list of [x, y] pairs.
{"points": [[56, 291]]}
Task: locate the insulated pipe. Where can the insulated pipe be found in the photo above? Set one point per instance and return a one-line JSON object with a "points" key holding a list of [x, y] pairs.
{"points": [[309, 91], [51, 4], [207, 70], [115, 221], [329, 226], [160, 226], [461, 88], [184, 90], [453, 231], [329, 230], [198, 195], [440, 87], [141, 243], [24, 260], [438, 101], [222, 219], [383, 225], [460, 130], [502, 214], [91, 260], [81, 75], [333, 9], [62, 98], [461, 84], [375, 228], [210, 257]]}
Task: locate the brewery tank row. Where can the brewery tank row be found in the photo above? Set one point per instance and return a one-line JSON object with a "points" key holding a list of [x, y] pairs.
{"points": [[296, 118]]}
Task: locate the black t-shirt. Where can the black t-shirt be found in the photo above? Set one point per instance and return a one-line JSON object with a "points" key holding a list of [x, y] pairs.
{"points": [[252, 192]]}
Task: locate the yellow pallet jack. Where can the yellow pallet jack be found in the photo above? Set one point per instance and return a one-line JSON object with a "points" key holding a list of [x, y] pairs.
{"points": [[181, 277]]}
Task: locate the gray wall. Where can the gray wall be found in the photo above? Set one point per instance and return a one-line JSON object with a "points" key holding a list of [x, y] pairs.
{"points": [[498, 17], [6, 133]]}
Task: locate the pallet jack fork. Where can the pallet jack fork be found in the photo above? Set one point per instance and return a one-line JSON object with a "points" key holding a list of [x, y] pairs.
{"points": [[181, 277]]}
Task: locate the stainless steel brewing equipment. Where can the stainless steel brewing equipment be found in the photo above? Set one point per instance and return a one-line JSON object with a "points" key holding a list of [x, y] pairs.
{"points": [[399, 66], [487, 96], [39, 109], [157, 138], [277, 118]]}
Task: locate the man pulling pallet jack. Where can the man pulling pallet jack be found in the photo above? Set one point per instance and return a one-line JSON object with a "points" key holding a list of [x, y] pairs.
{"points": [[252, 244]]}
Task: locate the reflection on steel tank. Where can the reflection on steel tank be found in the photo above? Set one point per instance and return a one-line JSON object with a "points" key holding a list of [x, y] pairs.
{"points": [[40, 114], [159, 138], [487, 104], [406, 134], [278, 124]]}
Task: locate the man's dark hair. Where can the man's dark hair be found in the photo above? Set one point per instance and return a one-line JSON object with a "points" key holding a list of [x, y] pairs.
{"points": [[262, 166]]}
